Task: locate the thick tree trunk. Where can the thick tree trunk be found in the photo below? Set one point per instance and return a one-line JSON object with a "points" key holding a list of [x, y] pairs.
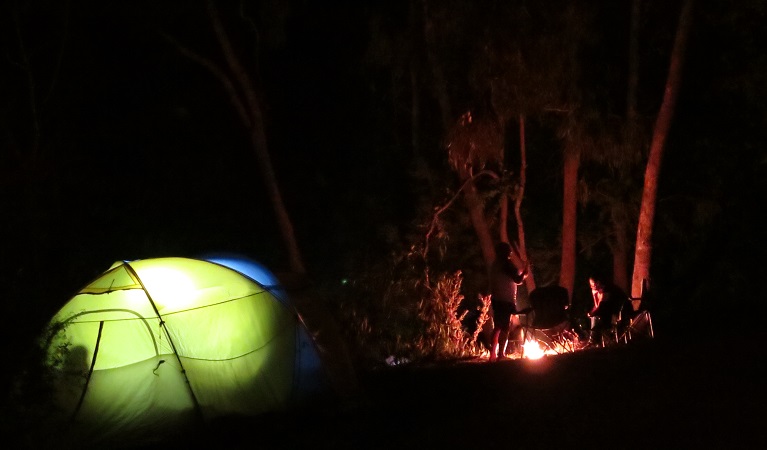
{"points": [[643, 251], [479, 222], [569, 220]]}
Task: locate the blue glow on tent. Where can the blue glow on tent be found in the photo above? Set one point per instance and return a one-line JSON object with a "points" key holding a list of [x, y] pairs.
{"points": [[311, 378], [253, 270]]}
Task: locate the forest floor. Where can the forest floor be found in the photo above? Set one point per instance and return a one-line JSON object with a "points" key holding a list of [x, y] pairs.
{"points": [[681, 393]]}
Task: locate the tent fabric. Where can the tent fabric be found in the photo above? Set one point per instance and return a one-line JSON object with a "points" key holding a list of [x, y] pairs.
{"points": [[312, 376], [161, 344], [328, 360]]}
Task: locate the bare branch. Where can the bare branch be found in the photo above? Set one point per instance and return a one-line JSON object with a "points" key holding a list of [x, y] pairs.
{"points": [[234, 64], [439, 211], [219, 73]]}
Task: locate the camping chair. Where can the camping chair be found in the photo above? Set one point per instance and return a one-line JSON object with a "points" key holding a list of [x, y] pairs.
{"points": [[619, 328], [616, 331], [615, 334], [547, 320], [605, 335], [640, 326]]}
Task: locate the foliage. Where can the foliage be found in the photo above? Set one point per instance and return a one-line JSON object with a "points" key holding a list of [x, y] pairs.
{"points": [[30, 407], [399, 309], [473, 143], [445, 335]]}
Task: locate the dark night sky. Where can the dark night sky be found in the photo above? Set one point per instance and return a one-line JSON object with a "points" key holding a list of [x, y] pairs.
{"points": [[153, 149], [148, 158]]}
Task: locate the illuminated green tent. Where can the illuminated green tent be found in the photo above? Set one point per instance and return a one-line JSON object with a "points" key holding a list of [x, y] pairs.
{"points": [[155, 346]]}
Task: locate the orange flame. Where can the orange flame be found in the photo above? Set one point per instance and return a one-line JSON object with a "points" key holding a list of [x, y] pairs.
{"points": [[533, 349]]}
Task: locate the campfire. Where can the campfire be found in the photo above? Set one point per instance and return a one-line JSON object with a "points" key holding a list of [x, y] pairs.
{"points": [[539, 343], [533, 349], [565, 342]]}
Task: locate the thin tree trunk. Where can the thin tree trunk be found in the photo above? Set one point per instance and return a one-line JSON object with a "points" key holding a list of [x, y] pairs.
{"points": [[258, 141], [569, 219], [620, 245], [503, 212], [643, 251], [503, 219], [520, 194], [619, 248]]}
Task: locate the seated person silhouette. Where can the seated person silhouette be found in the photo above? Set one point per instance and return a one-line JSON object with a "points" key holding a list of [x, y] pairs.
{"points": [[608, 302]]}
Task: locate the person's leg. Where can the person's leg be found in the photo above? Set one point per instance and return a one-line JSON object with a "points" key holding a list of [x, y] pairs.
{"points": [[503, 339], [599, 331], [494, 344], [594, 337], [498, 323], [513, 336], [504, 325]]}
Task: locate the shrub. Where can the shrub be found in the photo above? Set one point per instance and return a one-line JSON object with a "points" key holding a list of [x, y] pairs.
{"points": [[398, 312]]}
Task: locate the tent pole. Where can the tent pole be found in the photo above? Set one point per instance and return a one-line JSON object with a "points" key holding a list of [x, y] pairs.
{"points": [[90, 371], [173, 346]]}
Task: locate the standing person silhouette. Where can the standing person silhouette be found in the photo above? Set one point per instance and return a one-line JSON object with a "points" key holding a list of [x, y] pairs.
{"points": [[504, 278]]}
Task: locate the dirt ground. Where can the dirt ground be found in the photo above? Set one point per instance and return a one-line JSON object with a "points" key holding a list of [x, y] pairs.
{"points": [[660, 394]]}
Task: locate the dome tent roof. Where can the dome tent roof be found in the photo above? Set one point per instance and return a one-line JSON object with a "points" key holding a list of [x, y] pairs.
{"points": [[160, 344]]}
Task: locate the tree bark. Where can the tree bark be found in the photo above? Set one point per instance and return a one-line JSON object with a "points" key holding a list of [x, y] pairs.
{"points": [[643, 251]]}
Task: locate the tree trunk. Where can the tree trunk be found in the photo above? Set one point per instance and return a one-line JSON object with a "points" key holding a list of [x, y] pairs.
{"points": [[569, 220], [503, 218], [472, 199], [643, 251], [619, 248], [520, 194], [479, 222], [254, 120], [620, 245], [258, 139]]}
